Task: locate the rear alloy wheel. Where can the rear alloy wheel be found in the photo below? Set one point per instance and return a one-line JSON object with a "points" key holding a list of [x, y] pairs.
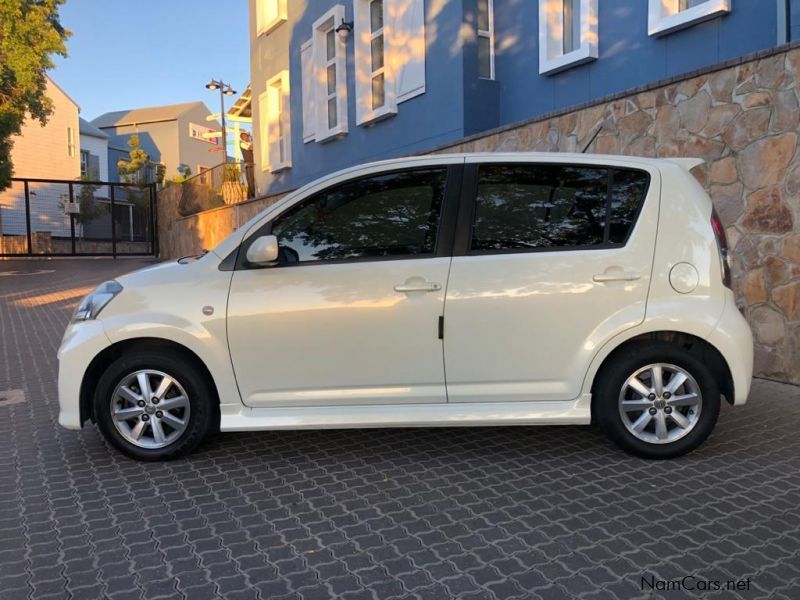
{"points": [[660, 403], [154, 405], [656, 400]]}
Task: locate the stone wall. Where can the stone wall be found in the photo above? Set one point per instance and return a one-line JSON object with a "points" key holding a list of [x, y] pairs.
{"points": [[743, 120], [183, 236], [44, 243]]}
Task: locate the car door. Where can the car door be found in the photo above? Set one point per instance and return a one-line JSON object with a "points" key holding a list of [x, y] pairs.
{"points": [[550, 260], [350, 315]]}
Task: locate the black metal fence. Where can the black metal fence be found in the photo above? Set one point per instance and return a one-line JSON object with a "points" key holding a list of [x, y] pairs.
{"points": [[222, 185], [50, 217]]}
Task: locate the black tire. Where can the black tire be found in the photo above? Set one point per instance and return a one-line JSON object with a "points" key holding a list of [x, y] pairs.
{"points": [[621, 365], [202, 402]]}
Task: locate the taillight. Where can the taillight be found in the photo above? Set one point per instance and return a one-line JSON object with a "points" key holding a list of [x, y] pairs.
{"points": [[722, 244]]}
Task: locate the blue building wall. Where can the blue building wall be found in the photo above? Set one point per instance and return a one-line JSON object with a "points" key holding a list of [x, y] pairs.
{"points": [[431, 119], [628, 56], [457, 103]]}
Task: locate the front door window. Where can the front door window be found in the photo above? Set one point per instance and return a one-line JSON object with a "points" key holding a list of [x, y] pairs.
{"points": [[386, 216]]}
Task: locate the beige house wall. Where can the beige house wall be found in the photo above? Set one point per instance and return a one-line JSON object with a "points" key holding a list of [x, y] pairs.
{"points": [[42, 151], [743, 119]]}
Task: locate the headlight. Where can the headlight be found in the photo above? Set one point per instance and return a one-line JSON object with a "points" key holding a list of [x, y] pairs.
{"points": [[92, 304]]}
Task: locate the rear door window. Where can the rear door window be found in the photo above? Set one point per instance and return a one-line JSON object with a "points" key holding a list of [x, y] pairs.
{"points": [[537, 207]]}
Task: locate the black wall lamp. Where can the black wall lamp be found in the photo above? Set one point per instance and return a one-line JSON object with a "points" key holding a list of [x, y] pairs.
{"points": [[344, 29]]}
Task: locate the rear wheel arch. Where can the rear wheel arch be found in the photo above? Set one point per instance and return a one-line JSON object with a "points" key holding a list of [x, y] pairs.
{"points": [[103, 360], [692, 344]]}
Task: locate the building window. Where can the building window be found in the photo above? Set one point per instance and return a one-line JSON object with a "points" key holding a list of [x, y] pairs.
{"points": [[269, 14], [375, 85], [486, 39], [567, 34], [666, 16], [84, 163], [390, 53], [204, 175], [377, 54], [70, 142], [276, 149], [330, 76], [572, 25]]}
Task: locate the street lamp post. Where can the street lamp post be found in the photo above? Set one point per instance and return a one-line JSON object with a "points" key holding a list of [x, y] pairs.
{"points": [[224, 90]]}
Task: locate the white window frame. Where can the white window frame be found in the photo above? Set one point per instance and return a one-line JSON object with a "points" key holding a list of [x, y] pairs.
{"points": [[330, 20], [365, 113], [276, 124], [269, 14], [665, 16], [483, 33], [84, 154], [552, 57]]}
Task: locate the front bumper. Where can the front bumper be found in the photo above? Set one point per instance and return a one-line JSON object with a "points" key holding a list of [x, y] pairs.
{"points": [[733, 338], [81, 344]]}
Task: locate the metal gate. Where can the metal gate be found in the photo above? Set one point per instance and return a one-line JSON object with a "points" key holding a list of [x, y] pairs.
{"points": [[51, 217]]}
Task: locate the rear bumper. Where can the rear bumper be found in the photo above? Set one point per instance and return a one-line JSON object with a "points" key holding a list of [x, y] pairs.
{"points": [[81, 343], [734, 340]]}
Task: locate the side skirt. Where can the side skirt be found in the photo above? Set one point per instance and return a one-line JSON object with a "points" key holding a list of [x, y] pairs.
{"points": [[472, 414]]}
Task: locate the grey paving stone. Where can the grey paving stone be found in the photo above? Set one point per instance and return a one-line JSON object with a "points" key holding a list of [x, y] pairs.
{"points": [[550, 512]]}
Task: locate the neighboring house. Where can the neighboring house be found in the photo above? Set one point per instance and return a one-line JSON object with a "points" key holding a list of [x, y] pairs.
{"points": [[417, 74], [50, 151], [94, 152], [171, 135]]}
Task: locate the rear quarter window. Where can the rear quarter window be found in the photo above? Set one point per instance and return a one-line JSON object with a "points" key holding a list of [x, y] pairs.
{"points": [[539, 207]]}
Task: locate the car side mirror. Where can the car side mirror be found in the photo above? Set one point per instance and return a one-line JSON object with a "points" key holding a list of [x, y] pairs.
{"points": [[263, 251]]}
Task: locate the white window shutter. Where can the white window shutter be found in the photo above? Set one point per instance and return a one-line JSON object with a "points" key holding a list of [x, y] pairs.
{"points": [[263, 129], [307, 92], [407, 22]]}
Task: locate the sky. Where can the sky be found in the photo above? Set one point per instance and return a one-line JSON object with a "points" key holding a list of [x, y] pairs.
{"points": [[132, 54]]}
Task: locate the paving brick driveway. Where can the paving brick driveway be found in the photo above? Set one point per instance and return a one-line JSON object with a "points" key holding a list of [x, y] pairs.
{"points": [[551, 512]]}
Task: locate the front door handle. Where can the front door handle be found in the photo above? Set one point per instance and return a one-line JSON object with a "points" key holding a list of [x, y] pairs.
{"points": [[616, 275], [413, 286]]}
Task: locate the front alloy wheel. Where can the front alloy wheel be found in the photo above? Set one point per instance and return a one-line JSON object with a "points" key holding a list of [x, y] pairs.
{"points": [[155, 404], [150, 409]]}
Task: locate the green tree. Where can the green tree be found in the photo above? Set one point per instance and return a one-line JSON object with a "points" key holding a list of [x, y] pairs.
{"points": [[139, 169], [134, 170], [30, 34]]}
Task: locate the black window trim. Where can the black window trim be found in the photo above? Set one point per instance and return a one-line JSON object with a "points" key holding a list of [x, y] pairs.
{"points": [[469, 199], [444, 234]]}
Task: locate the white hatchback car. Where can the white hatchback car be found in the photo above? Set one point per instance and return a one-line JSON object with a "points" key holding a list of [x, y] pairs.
{"points": [[478, 289]]}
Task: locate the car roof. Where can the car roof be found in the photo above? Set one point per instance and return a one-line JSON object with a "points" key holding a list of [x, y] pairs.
{"points": [[556, 157]]}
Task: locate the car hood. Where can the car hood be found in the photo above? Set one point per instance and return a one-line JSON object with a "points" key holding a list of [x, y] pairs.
{"points": [[168, 271]]}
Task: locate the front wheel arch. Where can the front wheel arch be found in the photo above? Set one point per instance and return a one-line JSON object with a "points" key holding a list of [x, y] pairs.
{"points": [[102, 361], [686, 341]]}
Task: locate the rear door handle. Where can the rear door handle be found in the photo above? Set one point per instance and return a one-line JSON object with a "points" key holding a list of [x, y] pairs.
{"points": [[425, 286], [616, 276]]}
